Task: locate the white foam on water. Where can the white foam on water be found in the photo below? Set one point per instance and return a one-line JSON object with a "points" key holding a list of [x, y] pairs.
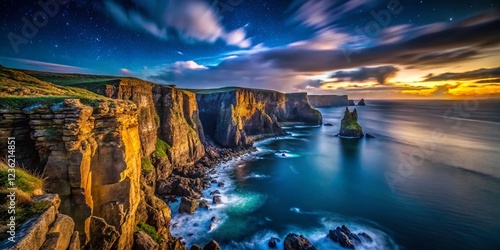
{"points": [[257, 176]]}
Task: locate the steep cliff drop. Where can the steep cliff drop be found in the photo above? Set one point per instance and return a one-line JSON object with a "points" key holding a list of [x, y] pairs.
{"points": [[236, 117]]}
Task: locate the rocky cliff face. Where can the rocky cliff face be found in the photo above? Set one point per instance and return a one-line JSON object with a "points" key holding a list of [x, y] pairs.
{"points": [[326, 101], [299, 111], [180, 125], [237, 117], [139, 92], [91, 157]]}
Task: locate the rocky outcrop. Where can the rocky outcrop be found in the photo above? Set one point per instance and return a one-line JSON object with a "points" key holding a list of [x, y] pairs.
{"points": [[139, 92], [188, 205], [90, 157], [361, 102], [236, 117], [327, 101], [297, 242], [48, 230], [180, 125], [347, 239], [349, 127]]}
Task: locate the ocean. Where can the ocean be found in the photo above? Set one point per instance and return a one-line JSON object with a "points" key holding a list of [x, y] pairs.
{"points": [[430, 179]]}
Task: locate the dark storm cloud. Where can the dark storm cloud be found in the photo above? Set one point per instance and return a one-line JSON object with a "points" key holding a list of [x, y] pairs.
{"points": [[469, 75], [380, 74]]}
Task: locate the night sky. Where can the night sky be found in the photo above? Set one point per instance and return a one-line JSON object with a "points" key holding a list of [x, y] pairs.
{"points": [[365, 48]]}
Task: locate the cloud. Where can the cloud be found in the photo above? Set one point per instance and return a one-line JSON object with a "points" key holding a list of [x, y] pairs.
{"points": [[188, 19], [469, 75], [45, 66], [380, 74], [322, 13], [291, 66]]}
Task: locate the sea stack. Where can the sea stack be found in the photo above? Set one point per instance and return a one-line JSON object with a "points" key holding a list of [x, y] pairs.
{"points": [[362, 102], [349, 127]]}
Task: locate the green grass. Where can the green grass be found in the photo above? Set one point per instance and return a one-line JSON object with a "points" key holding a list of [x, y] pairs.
{"points": [[26, 183], [19, 90], [147, 166], [161, 148], [150, 230], [24, 180]]}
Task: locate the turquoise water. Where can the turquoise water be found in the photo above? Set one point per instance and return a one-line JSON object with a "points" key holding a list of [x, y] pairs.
{"points": [[429, 180]]}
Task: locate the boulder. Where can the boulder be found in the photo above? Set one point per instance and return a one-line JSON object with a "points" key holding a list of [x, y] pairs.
{"points": [[362, 102], [104, 236], [142, 241], [369, 136], [204, 204], [297, 242], [60, 233], [273, 242], [212, 245], [188, 205], [349, 126], [74, 242], [32, 233], [328, 124], [196, 247], [217, 199], [215, 192], [365, 237], [346, 238]]}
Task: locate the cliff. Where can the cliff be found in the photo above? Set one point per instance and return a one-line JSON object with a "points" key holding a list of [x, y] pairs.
{"points": [[88, 150], [236, 117], [108, 146], [90, 157], [326, 101], [299, 111], [180, 125]]}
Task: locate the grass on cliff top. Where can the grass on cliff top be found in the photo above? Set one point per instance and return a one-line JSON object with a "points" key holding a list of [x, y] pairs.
{"points": [[150, 230], [19, 90], [27, 185]]}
